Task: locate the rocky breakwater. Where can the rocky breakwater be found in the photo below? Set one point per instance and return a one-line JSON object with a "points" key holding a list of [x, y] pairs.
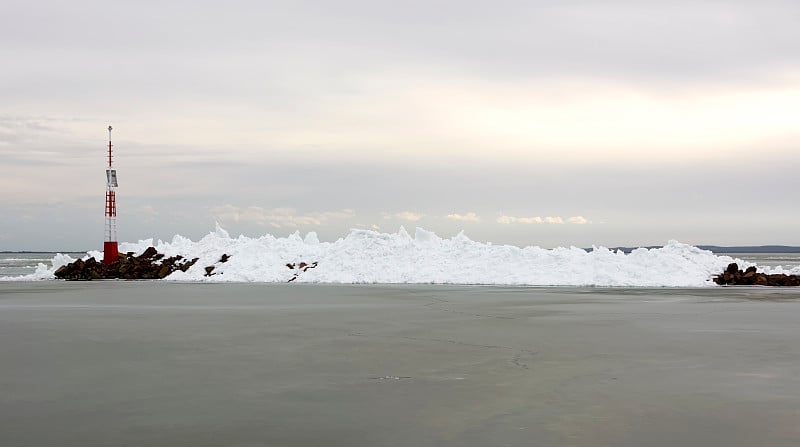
{"points": [[733, 276], [148, 265]]}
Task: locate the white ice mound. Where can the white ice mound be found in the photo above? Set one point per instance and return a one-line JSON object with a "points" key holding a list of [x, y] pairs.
{"points": [[371, 257], [44, 271]]}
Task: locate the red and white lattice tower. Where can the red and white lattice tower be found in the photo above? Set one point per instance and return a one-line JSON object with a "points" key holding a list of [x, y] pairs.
{"points": [[110, 249]]}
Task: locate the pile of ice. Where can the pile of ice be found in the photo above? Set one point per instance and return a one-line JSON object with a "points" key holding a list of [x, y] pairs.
{"points": [[371, 257]]}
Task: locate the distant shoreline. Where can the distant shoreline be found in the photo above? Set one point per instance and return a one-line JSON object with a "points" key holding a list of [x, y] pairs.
{"points": [[752, 249], [726, 250], [713, 248], [26, 252]]}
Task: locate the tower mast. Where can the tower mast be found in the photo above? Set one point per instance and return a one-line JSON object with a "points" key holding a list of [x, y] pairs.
{"points": [[110, 248]]}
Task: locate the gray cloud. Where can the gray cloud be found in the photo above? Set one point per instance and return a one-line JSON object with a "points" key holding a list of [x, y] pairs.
{"points": [[269, 49], [318, 101]]}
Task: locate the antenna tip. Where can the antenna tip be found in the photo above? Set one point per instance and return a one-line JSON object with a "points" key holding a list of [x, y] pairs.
{"points": [[109, 128]]}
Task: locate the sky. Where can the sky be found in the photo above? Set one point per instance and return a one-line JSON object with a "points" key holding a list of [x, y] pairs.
{"points": [[569, 123]]}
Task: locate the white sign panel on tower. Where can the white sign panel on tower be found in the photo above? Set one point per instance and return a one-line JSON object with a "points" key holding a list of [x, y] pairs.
{"points": [[111, 177]]}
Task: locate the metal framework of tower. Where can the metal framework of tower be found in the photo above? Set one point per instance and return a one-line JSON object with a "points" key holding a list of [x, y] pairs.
{"points": [[110, 248]]}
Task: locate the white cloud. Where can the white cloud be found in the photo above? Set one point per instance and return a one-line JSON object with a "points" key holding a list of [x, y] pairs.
{"points": [[578, 220], [524, 220], [469, 217], [407, 216], [504, 219], [277, 217], [372, 227]]}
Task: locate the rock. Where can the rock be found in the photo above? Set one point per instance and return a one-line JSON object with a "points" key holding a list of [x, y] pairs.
{"points": [[149, 253], [750, 277], [127, 266], [185, 265], [61, 271], [302, 267]]}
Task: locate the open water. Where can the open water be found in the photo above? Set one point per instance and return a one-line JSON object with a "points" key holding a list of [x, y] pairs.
{"points": [[16, 264]]}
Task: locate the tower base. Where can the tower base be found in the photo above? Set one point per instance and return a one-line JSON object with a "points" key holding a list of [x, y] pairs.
{"points": [[110, 252]]}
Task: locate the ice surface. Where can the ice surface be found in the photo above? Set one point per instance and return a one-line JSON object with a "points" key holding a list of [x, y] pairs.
{"points": [[365, 256]]}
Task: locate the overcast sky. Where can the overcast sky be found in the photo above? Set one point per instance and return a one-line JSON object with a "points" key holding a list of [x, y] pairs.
{"points": [[550, 123]]}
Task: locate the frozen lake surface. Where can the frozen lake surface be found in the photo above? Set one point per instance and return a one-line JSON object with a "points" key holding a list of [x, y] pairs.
{"points": [[175, 364]]}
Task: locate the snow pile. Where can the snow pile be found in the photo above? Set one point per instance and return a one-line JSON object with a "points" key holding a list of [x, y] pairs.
{"points": [[371, 257]]}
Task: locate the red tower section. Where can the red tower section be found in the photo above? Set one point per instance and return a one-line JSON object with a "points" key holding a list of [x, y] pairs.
{"points": [[110, 248]]}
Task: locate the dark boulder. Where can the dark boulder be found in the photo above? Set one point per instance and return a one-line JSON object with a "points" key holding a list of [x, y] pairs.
{"points": [[732, 276], [148, 265], [149, 253]]}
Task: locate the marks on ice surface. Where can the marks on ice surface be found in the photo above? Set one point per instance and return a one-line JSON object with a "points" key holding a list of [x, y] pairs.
{"points": [[438, 306], [520, 357]]}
